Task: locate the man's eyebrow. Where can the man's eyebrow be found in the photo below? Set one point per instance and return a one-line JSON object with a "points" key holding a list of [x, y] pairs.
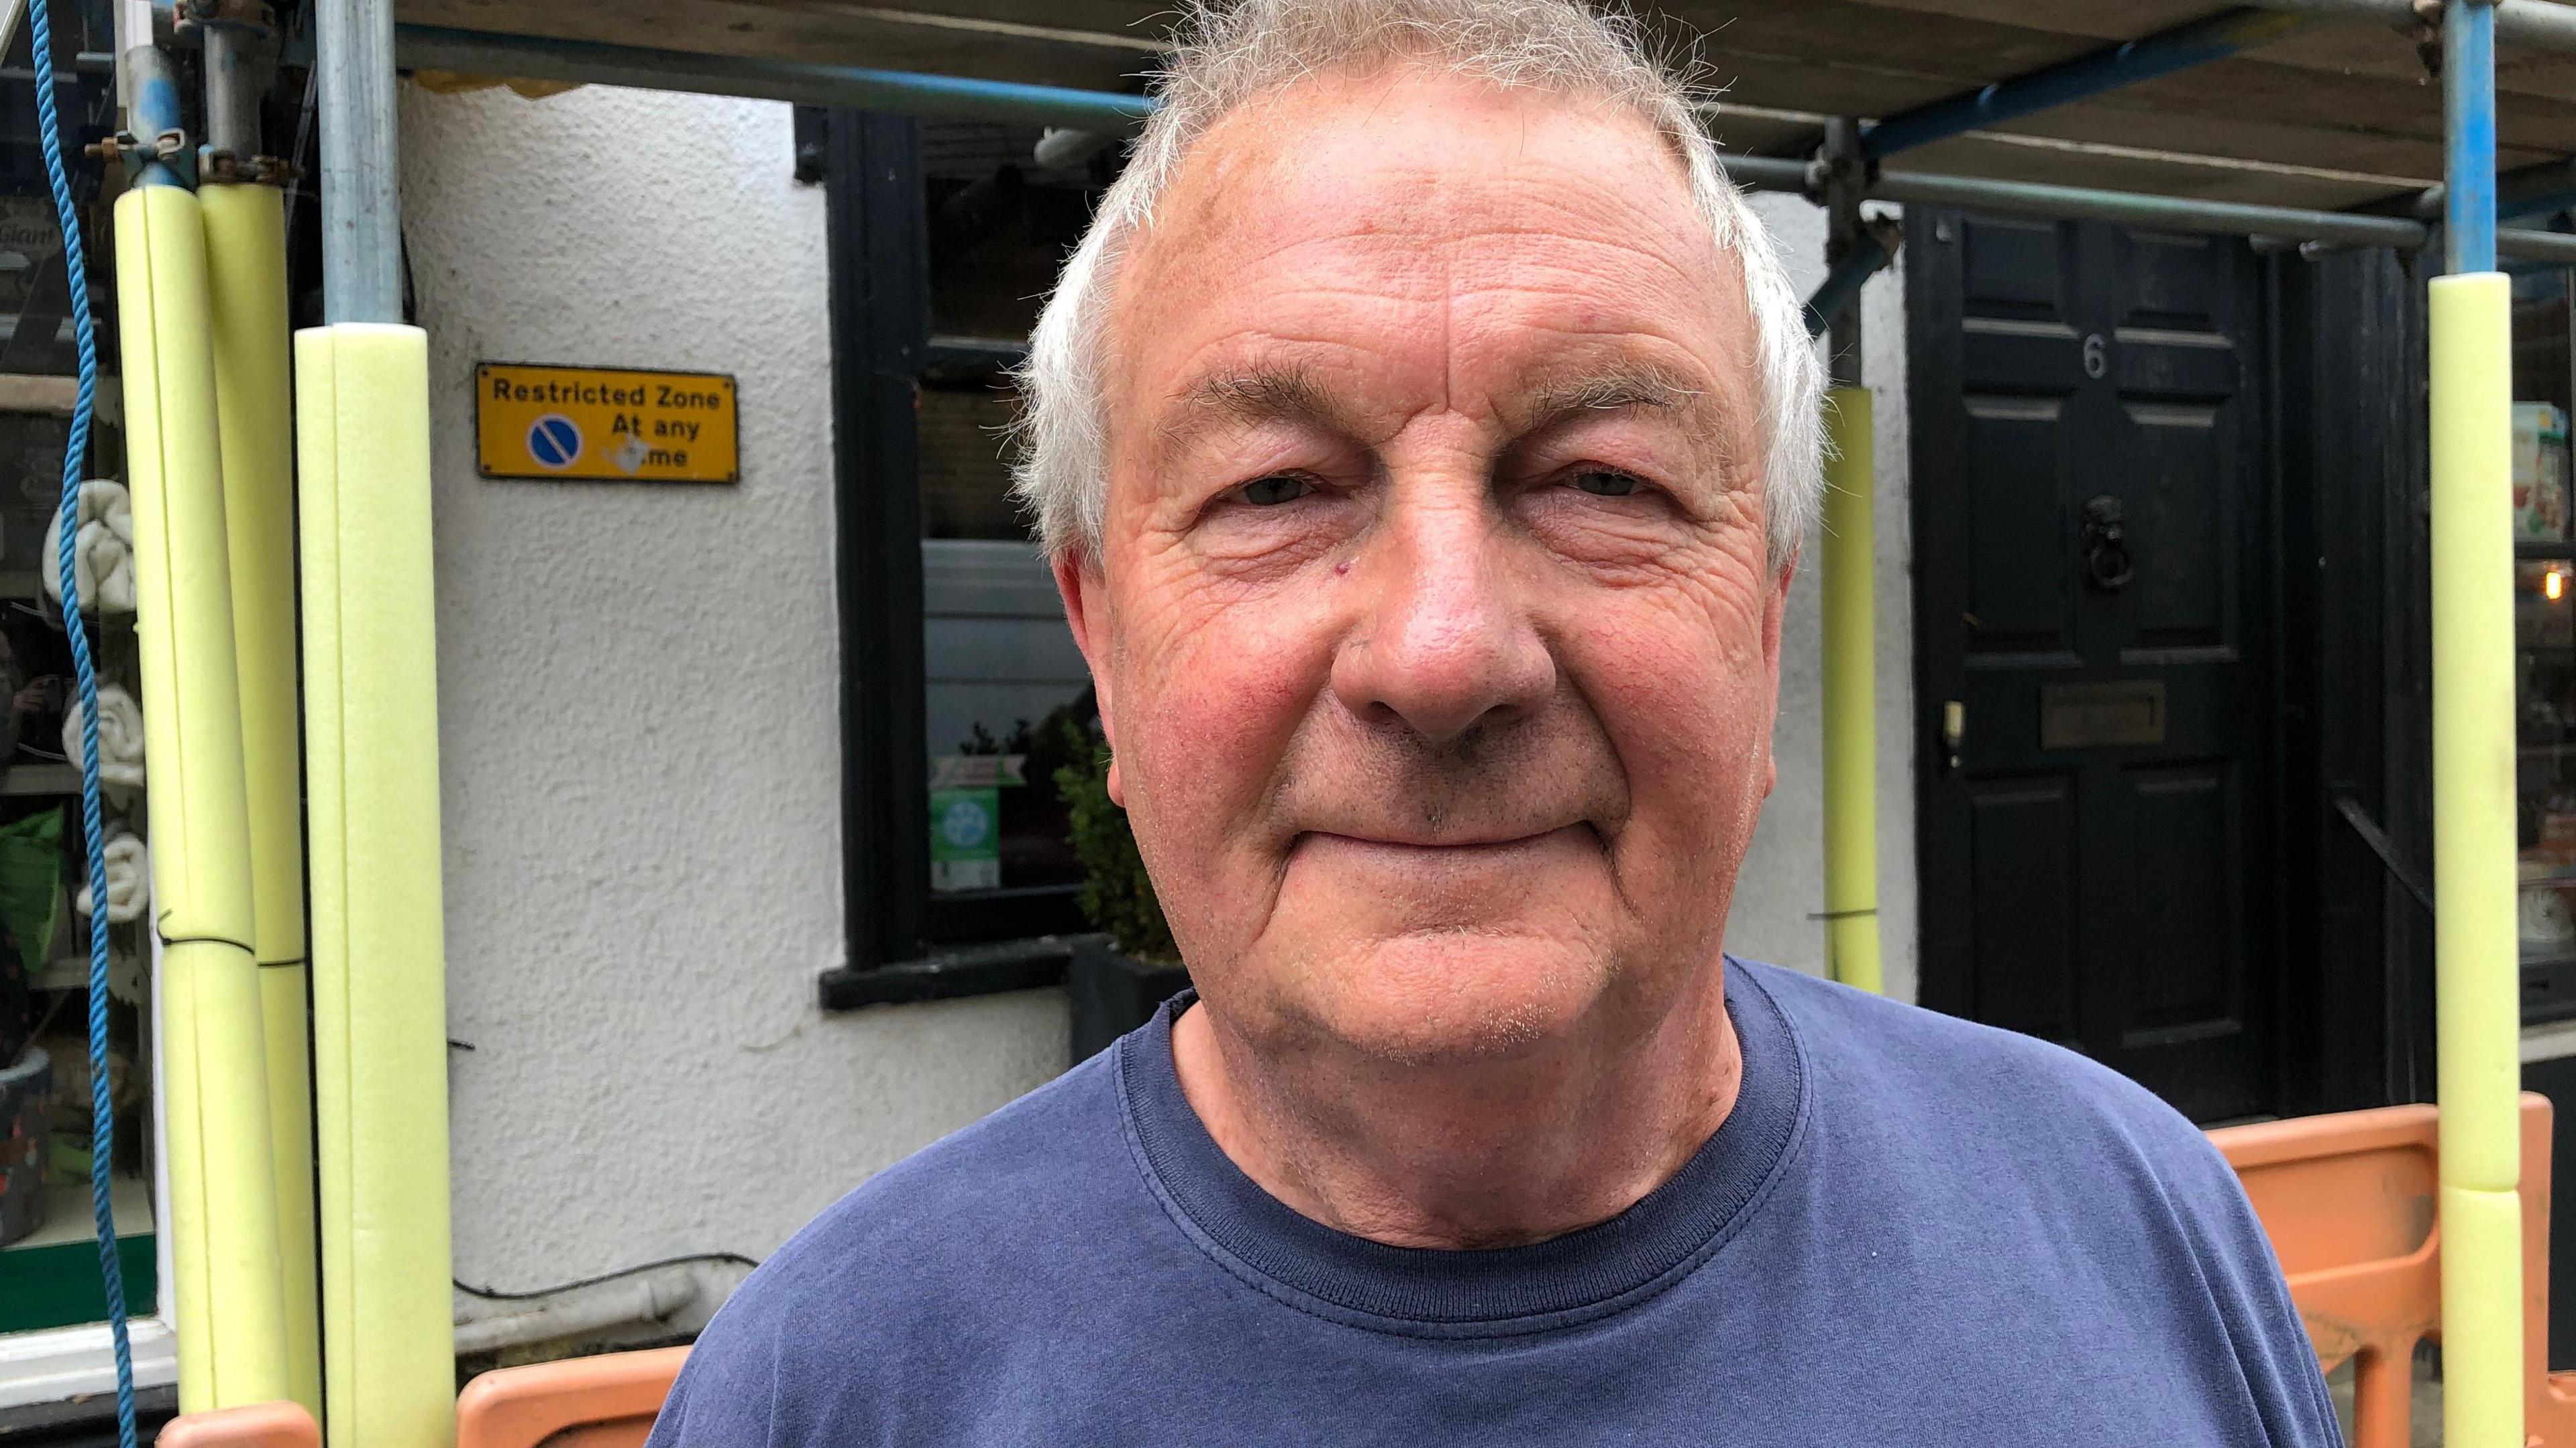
{"points": [[1256, 395], [1610, 390]]}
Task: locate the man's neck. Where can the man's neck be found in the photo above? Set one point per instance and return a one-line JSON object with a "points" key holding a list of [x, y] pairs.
{"points": [[1490, 1153]]}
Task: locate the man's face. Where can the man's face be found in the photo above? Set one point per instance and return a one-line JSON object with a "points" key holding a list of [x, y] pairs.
{"points": [[1431, 619]]}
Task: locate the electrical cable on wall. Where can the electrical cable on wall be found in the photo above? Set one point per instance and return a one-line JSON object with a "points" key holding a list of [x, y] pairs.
{"points": [[494, 1294], [93, 831]]}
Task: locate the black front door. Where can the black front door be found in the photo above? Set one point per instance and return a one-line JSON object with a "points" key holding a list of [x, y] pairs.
{"points": [[2091, 505]]}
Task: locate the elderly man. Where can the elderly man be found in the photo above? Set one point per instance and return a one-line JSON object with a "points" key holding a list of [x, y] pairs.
{"points": [[1423, 436]]}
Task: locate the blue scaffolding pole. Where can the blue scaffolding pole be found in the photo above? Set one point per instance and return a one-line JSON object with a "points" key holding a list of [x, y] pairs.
{"points": [[2196, 42], [2475, 945]]}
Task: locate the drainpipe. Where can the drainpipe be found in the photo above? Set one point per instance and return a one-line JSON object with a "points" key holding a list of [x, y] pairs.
{"points": [[2475, 964]]}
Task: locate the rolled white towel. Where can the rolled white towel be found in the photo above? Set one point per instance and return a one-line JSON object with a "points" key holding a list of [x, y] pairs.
{"points": [[120, 737], [129, 879], [102, 552]]}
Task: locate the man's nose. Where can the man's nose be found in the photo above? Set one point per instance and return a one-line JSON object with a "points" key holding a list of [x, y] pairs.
{"points": [[1446, 637]]}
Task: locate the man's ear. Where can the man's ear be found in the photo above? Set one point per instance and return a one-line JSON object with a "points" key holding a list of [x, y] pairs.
{"points": [[1085, 591]]}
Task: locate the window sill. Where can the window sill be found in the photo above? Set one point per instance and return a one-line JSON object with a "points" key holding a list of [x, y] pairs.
{"points": [[950, 974]]}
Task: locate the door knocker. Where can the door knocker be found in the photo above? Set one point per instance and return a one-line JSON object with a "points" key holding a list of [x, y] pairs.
{"points": [[2107, 565]]}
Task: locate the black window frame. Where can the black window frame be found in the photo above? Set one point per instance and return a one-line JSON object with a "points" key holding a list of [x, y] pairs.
{"points": [[903, 943]]}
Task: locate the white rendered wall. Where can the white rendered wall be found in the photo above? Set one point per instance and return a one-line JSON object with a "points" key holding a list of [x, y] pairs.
{"points": [[638, 712], [638, 715], [1781, 889]]}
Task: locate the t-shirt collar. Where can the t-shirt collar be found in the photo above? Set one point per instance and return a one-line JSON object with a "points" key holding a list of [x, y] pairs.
{"points": [[1434, 1292]]}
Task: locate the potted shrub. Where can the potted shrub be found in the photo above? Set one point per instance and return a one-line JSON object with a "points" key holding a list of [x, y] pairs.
{"points": [[1118, 978]]}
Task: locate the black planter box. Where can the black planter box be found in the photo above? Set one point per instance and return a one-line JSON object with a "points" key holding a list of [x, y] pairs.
{"points": [[1113, 993]]}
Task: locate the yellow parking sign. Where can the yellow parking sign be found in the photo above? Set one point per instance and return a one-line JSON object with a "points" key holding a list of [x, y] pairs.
{"points": [[605, 424]]}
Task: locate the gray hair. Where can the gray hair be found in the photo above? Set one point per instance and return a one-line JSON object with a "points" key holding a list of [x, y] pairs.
{"points": [[1226, 57]]}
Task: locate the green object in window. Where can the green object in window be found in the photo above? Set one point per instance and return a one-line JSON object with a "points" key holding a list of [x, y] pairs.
{"points": [[58, 1285], [965, 839], [31, 879]]}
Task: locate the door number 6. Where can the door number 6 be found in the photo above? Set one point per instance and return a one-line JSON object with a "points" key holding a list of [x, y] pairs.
{"points": [[2097, 356]]}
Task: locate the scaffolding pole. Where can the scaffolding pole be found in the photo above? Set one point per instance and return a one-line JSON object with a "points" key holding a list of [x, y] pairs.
{"points": [[245, 221], [371, 736], [1846, 572], [225, 1256], [807, 82], [2196, 42], [2475, 965], [2140, 208], [2541, 24]]}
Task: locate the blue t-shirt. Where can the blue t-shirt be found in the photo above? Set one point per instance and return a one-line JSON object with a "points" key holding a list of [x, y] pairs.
{"points": [[1910, 1230]]}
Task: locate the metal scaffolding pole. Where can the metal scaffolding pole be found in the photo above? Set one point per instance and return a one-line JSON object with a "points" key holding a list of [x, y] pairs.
{"points": [[232, 90], [1844, 278], [245, 242], [226, 1264], [2476, 976], [2542, 24], [1846, 565], [803, 81], [2138, 208], [361, 208], [378, 952], [2196, 42]]}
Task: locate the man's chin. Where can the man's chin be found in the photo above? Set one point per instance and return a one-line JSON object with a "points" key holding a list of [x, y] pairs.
{"points": [[1431, 997]]}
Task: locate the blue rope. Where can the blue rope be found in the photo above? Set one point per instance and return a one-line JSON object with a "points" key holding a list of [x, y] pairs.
{"points": [[102, 1109]]}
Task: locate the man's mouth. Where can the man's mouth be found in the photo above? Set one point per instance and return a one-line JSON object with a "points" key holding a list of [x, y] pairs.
{"points": [[1459, 846]]}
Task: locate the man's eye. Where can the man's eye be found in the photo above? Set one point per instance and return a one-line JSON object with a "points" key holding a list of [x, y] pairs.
{"points": [[1271, 491], [1602, 483]]}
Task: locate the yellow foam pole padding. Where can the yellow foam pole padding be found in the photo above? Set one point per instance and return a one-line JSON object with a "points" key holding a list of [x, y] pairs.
{"points": [[1847, 554], [2476, 968], [246, 262], [379, 988], [2482, 1350], [223, 1207], [2477, 989]]}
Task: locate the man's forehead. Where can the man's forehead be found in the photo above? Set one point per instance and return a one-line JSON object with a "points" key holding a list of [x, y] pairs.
{"points": [[1411, 158], [1405, 159], [1289, 384], [1413, 240]]}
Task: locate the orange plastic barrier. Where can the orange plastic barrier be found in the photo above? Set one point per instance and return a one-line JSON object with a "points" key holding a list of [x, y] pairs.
{"points": [[593, 1402], [260, 1425], [2348, 1201]]}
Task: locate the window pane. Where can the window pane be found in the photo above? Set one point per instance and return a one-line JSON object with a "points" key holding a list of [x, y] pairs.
{"points": [[1000, 225], [2545, 639], [1005, 683], [1007, 699]]}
